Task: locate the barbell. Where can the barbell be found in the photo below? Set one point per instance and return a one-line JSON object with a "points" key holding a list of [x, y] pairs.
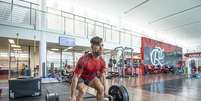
{"points": [[115, 93]]}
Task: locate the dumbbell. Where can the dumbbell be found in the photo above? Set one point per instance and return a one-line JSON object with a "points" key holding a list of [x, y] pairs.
{"points": [[115, 93]]}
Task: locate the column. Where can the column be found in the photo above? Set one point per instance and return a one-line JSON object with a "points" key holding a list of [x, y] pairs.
{"points": [[42, 50], [43, 43]]}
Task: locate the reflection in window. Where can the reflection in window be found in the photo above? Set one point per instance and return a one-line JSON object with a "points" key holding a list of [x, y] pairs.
{"points": [[79, 26], [108, 34], [53, 59], [91, 29], [69, 26], [99, 31], [115, 36], [67, 58], [55, 22]]}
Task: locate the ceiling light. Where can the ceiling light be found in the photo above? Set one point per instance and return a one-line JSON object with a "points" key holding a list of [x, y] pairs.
{"points": [[3, 54], [131, 9], [15, 46], [11, 41], [54, 49], [69, 47], [66, 49], [23, 55], [17, 49]]}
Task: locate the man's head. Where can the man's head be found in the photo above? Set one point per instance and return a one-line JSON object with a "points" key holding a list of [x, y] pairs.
{"points": [[96, 45]]}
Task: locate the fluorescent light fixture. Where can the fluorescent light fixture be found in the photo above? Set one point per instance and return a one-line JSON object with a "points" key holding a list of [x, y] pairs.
{"points": [[3, 54], [15, 46], [23, 55], [17, 49], [54, 49], [67, 48], [11, 41]]}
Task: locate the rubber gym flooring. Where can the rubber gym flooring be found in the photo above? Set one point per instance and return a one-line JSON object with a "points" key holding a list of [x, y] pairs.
{"points": [[166, 87], [60, 88]]}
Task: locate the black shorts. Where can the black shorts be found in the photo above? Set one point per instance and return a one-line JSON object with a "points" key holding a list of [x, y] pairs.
{"points": [[85, 81]]}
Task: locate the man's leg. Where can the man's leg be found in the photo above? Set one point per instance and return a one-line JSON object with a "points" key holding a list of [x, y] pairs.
{"points": [[82, 88], [96, 84]]}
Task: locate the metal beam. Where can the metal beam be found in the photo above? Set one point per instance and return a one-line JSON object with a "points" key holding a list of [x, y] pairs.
{"points": [[174, 14], [131, 9]]}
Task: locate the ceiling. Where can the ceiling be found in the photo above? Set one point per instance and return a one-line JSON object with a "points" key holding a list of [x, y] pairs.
{"points": [[178, 21]]}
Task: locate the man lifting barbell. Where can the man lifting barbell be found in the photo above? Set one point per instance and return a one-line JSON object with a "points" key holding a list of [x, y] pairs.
{"points": [[90, 71]]}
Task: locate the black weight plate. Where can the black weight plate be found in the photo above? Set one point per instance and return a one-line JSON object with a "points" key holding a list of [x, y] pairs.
{"points": [[52, 97], [116, 92], [125, 92]]}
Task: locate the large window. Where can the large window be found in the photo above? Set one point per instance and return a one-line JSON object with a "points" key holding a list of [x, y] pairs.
{"points": [[99, 30], [79, 26], [91, 28], [58, 58], [115, 36], [14, 60], [69, 25], [108, 34], [55, 21], [53, 59]]}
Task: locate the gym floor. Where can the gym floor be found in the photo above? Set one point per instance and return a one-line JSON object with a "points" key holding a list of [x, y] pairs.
{"points": [[166, 87]]}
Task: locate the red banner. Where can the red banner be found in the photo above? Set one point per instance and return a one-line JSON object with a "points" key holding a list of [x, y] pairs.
{"points": [[147, 42]]}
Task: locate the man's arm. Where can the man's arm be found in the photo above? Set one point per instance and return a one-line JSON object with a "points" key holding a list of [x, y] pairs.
{"points": [[76, 74], [74, 85], [103, 74], [103, 80]]}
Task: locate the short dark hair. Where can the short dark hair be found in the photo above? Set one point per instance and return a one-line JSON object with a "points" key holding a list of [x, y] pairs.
{"points": [[96, 40]]}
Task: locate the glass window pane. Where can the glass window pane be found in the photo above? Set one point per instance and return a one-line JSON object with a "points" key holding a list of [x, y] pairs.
{"points": [[136, 41], [18, 60], [125, 38], [67, 58], [34, 61], [108, 34], [115, 36], [53, 59], [69, 26], [79, 26], [5, 12], [91, 29], [99, 31], [55, 22], [20, 15]]}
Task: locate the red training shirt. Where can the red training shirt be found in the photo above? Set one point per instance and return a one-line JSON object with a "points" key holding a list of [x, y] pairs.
{"points": [[89, 67]]}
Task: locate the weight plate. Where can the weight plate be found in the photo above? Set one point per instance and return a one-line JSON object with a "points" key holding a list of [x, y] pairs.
{"points": [[116, 92], [52, 97], [126, 95]]}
